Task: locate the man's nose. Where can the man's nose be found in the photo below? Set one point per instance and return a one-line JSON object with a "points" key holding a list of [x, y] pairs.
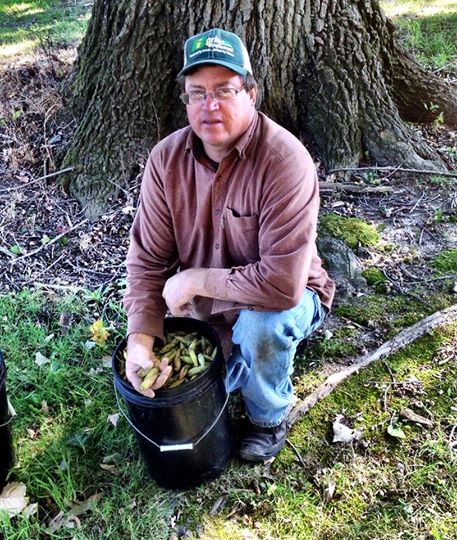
{"points": [[209, 102]]}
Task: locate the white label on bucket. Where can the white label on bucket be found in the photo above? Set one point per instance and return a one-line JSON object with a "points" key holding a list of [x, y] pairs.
{"points": [[173, 447]]}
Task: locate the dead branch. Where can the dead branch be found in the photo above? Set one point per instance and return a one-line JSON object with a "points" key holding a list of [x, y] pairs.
{"points": [[395, 169], [55, 239], [404, 338], [45, 177], [353, 188]]}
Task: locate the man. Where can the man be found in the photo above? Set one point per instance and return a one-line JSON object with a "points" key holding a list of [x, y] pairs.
{"points": [[225, 231]]}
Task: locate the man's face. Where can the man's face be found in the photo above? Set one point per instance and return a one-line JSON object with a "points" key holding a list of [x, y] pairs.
{"points": [[219, 125]]}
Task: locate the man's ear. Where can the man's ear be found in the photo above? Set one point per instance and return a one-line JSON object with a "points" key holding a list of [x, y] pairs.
{"points": [[253, 95]]}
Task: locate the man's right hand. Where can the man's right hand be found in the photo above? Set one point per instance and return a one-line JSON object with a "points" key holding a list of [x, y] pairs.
{"points": [[140, 356]]}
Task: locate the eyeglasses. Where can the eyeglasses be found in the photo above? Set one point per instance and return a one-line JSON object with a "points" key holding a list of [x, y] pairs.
{"points": [[220, 95]]}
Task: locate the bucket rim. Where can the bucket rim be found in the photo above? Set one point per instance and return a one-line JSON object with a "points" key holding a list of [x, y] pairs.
{"points": [[185, 392]]}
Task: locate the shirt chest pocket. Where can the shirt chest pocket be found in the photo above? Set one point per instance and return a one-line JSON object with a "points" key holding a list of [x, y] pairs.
{"points": [[242, 237]]}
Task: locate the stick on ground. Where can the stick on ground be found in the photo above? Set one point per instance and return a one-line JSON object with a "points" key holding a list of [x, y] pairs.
{"points": [[401, 340]]}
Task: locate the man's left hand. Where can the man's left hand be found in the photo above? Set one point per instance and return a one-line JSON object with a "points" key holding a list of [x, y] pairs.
{"points": [[181, 288]]}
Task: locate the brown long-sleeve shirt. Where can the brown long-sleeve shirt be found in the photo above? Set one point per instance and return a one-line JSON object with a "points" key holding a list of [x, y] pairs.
{"points": [[250, 219]]}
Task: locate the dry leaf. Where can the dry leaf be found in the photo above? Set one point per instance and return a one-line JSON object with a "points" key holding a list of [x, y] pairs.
{"points": [[13, 499], [40, 359], [343, 433], [11, 409], [329, 491], [99, 332], [110, 468], [61, 520], [113, 418], [65, 321], [79, 508], [44, 408]]}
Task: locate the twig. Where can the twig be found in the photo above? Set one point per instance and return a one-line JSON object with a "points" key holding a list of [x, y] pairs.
{"points": [[72, 288], [297, 453], [396, 169], [404, 338], [50, 175], [400, 289], [417, 202], [55, 239], [451, 276], [336, 186]]}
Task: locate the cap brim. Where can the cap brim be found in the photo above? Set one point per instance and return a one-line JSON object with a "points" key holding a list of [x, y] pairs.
{"points": [[233, 67]]}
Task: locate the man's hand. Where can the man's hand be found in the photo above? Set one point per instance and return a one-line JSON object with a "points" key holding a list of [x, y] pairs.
{"points": [[181, 288], [140, 356]]}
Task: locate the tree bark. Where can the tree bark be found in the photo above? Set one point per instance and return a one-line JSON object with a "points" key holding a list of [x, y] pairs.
{"points": [[329, 71]]}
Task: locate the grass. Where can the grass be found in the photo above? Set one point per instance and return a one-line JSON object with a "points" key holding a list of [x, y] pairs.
{"points": [[29, 24], [69, 453], [427, 29]]}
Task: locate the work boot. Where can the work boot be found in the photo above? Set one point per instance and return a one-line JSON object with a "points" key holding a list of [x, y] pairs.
{"points": [[261, 443]]}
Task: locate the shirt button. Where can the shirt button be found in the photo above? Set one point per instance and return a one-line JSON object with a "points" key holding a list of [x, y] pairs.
{"points": [[217, 246], [217, 212]]}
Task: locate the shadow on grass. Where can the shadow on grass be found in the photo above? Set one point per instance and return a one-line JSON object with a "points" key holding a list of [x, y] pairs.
{"points": [[62, 22], [432, 38]]}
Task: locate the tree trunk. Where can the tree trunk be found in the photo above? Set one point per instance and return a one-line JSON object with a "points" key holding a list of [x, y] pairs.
{"points": [[329, 71]]}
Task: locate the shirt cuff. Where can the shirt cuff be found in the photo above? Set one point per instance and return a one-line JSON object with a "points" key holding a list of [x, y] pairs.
{"points": [[144, 323]]}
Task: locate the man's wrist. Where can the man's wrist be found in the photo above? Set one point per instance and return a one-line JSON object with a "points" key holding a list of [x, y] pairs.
{"points": [[138, 338]]}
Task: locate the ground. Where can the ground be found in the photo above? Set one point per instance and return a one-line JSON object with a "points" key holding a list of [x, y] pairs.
{"points": [[47, 242], [69, 451]]}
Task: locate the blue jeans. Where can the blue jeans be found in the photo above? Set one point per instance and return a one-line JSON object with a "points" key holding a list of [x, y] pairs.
{"points": [[261, 362]]}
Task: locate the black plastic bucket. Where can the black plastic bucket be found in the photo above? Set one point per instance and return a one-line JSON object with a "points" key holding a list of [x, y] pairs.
{"points": [[184, 433], [6, 439]]}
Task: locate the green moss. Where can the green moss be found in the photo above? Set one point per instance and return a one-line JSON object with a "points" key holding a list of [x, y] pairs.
{"points": [[446, 261], [391, 312], [353, 231], [374, 275], [342, 344]]}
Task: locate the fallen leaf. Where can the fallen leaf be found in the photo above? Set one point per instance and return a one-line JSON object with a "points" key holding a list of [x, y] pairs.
{"points": [[106, 362], [99, 332], [11, 409], [30, 510], [110, 468], [44, 408], [61, 520], [329, 491], [113, 418], [395, 431], [13, 499], [40, 359], [65, 321], [79, 508], [344, 434]]}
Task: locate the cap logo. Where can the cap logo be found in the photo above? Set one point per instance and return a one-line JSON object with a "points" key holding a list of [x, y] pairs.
{"points": [[215, 44], [198, 44]]}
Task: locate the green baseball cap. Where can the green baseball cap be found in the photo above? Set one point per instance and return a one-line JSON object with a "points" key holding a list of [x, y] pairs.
{"points": [[216, 46]]}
